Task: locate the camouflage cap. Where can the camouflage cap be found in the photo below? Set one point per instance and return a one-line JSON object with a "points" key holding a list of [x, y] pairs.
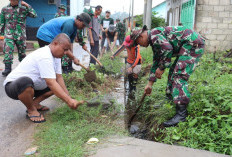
{"points": [[85, 18], [62, 6], [136, 32]]}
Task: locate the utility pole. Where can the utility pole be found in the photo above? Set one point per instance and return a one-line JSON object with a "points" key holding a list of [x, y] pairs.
{"points": [[129, 16], [132, 17], [148, 13], [144, 12]]}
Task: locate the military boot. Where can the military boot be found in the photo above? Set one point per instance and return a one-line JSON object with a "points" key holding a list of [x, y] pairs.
{"points": [[181, 114], [7, 70], [65, 69]]}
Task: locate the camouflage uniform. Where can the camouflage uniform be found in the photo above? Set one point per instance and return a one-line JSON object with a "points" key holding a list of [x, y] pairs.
{"points": [[184, 44], [13, 26], [121, 29], [60, 14]]}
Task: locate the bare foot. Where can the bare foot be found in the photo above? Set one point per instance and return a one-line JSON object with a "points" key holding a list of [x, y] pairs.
{"points": [[41, 107], [35, 116]]}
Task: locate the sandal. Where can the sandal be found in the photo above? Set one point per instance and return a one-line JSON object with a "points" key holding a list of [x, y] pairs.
{"points": [[34, 120]]}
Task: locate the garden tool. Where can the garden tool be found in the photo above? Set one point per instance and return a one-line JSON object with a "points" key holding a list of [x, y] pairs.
{"points": [[90, 76], [136, 111]]}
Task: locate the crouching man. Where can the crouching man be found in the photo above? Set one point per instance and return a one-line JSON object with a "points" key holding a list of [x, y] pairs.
{"points": [[187, 47], [39, 76]]}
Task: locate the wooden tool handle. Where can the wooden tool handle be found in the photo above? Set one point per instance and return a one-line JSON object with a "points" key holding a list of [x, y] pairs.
{"points": [[94, 58], [83, 67]]}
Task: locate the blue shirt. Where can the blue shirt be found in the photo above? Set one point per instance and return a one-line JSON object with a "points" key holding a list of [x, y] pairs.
{"points": [[49, 30]]}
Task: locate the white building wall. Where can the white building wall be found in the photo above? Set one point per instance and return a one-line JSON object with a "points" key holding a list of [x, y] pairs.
{"points": [[76, 7], [3, 3]]}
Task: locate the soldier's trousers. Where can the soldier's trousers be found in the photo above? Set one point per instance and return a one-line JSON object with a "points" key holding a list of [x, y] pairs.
{"points": [[180, 71], [65, 60], [8, 50]]}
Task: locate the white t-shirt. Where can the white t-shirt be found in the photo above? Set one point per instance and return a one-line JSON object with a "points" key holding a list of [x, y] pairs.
{"points": [[37, 65]]}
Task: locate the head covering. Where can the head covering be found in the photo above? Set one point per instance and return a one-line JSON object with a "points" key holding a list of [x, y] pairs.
{"points": [[117, 19], [62, 6], [85, 18], [136, 32], [128, 42], [111, 28]]}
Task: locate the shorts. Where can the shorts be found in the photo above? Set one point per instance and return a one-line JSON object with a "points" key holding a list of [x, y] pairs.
{"points": [[15, 88], [136, 69], [106, 42]]}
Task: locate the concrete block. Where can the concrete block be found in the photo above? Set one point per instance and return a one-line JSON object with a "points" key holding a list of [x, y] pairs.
{"points": [[212, 25], [229, 38], [211, 37], [203, 2], [230, 26], [228, 8], [231, 14], [213, 13], [227, 20], [201, 24], [217, 20], [223, 25], [207, 8], [199, 7], [203, 13], [214, 2], [221, 37], [224, 14], [206, 19], [219, 8], [217, 31], [224, 2], [227, 31], [214, 43]]}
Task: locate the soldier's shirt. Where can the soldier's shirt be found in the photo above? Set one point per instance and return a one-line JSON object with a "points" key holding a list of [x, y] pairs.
{"points": [[13, 21], [60, 14]]}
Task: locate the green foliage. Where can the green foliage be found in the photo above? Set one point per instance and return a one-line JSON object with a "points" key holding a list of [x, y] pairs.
{"points": [[155, 22], [209, 123]]}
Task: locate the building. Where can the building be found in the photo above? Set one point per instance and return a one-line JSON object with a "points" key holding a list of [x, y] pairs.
{"points": [[211, 18], [160, 9]]}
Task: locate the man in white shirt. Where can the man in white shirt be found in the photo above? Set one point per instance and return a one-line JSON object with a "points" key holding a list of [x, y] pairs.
{"points": [[39, 76]]}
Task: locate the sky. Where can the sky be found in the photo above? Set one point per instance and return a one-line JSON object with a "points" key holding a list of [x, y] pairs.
{"points": [[122, 5]]}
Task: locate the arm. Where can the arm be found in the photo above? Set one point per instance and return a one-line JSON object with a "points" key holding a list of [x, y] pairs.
{"points": [[119, 50], [137, 57], [107, 38], [30, 11], [2, 22], [60, 81]]}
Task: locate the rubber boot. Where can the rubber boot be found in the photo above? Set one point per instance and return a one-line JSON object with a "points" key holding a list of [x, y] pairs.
{"points": [[70, 68], [181, 114], [65, 69], [7, 70]]}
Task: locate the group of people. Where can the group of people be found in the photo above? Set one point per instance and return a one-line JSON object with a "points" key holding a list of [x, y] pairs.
{"points": [[38, 76]]}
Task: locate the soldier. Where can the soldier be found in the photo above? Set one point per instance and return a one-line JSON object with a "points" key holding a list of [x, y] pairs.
{"points": [[61, 12], [13, 27], [167, 42], [121, 29]]}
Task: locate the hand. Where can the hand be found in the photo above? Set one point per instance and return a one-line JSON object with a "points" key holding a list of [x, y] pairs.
{"points": [[91, 42], [24, 4], [76, 61], [100, 37], [73, 104], [159, 73], [148, 88], [112, 57], [84, 47], [129, 70]]}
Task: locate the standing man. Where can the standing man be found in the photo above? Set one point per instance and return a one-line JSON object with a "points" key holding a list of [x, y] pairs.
{"points": [[61, 11], [68, 25], [167, 42], [39, 76], [105, 23], [94, 33], [121, 29], [13, 27]]}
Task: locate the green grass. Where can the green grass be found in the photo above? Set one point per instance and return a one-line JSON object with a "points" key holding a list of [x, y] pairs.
{"points": [[209, 123], [66, 131]]}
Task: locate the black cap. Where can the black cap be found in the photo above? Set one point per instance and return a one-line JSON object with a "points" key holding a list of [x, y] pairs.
{"points": [[85, 18]]}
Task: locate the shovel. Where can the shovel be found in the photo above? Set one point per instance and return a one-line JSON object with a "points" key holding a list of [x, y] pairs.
{"points": [[90, 76], [136, 111]]}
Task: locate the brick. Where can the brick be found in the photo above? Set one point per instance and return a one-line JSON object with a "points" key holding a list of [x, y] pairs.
{"points": [[203, 2], [214, 2], [223, 25], [231, 14], [203, 13], [213, 13], [228, 8], [224, 14], [229, 37], [206, 19], [221, 37], [217, 31], [217, 20], [219, 8], [211, 37], [212, 25], [230, 26], [227, 20], [224, 2], [200, 25], [207, 8], [199, 7]]}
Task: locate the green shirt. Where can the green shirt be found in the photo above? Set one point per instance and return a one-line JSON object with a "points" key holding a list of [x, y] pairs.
{"points": [[106, 22]]}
